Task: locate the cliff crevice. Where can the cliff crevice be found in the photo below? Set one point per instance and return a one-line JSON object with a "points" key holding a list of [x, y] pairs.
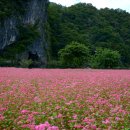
{"points": [[34, 13]]}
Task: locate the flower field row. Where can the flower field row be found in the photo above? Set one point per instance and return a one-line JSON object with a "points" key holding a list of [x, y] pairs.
{"points": [[64, 99]]}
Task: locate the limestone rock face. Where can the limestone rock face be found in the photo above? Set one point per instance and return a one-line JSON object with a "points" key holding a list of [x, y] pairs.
{"points": [[36, 12]]}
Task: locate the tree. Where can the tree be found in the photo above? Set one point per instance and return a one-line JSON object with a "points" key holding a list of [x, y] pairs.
{"points": [[105, 58], [74, 55], [106, 28]]}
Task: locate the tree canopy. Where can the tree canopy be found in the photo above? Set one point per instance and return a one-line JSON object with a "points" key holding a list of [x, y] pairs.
{"points": [[105, 58], [106, 28], [74, 55], [82, 23]]}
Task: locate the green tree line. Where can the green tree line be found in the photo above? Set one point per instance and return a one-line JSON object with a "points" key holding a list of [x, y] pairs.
{"points": [[101, 38], [84, 23]]}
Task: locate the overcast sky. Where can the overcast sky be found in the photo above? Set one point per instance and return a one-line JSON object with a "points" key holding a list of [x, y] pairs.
{"points": [[123, 4]]}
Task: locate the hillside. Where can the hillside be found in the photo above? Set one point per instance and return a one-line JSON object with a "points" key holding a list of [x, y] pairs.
{"points": [[84, 23], [31, 36]]}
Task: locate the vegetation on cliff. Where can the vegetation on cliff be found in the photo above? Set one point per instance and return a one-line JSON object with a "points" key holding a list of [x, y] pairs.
{"points": [[22, 24], [9, 7], [105, 29]]}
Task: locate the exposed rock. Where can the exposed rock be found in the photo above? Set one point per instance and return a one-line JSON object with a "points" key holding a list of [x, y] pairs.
{"points": [[36, 12]]}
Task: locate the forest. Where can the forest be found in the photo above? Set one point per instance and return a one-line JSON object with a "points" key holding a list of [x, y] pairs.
{"points": [[83, 23], [77, 36]]}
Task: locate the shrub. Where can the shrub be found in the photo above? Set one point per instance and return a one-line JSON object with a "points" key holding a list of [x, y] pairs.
{"points": [[54, 64], [25, 63], [105, 58], [74, 55]]}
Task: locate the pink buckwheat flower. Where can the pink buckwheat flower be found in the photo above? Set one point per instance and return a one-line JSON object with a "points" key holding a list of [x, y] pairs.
{"points": [[1, 117], [93, 127], [59, 116], [75, 116], [40, 127], [53, 128], [107, 121], [25, 112]]}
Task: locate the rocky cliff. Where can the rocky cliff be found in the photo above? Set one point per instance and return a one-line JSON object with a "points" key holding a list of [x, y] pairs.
{"points": [[34, 16]]}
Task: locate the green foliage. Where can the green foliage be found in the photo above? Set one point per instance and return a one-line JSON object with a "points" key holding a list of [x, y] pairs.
{"points": [[25, 63], [5, 62], [106, 28], [105, 58], [9, 7], [54, 64], [27, 35], [74, 55]]}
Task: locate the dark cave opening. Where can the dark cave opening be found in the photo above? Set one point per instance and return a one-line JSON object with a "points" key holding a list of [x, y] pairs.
{"points": [[33, 57]]}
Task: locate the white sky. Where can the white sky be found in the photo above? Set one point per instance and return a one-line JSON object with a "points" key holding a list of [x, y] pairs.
{"points": [[122, 4]]}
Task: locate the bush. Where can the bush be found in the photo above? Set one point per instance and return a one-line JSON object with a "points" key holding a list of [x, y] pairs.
{"points": [[105, 58], [54, 64], [7, 62], [25, 63], [74, 55]]}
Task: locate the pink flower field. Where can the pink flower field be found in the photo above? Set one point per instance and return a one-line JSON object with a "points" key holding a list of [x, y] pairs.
{"points": [[64, 99]]}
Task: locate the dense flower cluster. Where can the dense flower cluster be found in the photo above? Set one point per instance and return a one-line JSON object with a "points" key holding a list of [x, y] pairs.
{"points": [[77, 99]]}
